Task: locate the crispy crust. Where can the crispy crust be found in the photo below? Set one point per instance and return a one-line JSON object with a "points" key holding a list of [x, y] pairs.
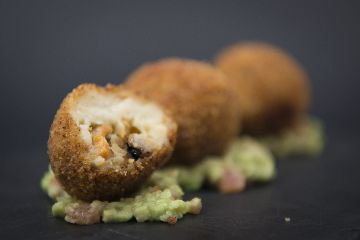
{"points": [[198, 98], [273, 88], [70, 160]]}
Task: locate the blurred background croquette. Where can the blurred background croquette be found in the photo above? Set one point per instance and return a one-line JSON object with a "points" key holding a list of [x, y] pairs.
{"points": [[273, 89], [105, 142], [200, 100]]}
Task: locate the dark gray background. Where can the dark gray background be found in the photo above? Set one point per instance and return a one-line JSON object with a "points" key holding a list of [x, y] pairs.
{"points": [[49, 47]]}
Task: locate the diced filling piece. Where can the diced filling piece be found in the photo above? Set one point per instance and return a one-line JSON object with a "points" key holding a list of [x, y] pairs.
{"points": [[84, 213], [101, 140], [232, 181], [135, 153]]}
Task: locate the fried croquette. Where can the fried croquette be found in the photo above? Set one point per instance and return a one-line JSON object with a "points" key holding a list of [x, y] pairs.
{"points": [[105, 141], [198, 98], [273, 89]]}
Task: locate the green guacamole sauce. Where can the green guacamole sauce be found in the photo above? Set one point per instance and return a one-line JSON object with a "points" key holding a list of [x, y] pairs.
{"points": [[161, 197], [306, 140], [159, 200]]}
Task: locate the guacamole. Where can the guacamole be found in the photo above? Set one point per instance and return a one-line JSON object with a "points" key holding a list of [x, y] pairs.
{"points": [[245, 156], [159, 200], [307, 139], [161, 197]]}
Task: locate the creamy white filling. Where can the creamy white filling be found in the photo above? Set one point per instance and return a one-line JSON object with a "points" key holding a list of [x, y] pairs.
{"points": [[100, 109]]}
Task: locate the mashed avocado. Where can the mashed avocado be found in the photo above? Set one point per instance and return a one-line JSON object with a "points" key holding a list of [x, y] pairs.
{"points": [[158, 200], [308, 139], [245, 155], [254, 160], [161, 198]]}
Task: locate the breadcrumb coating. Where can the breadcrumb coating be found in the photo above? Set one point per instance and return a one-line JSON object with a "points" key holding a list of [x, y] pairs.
{"points": [[273, 89], [199, 99], [76, 164]]}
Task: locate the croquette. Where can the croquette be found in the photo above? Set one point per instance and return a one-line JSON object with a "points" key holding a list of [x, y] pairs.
{"points": [[273, 89], [199, 99], [105, 141]]}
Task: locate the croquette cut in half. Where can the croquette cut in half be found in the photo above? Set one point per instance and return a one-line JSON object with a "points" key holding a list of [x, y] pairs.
{"points": [[198, 98], [273, 89], [105, 141]]}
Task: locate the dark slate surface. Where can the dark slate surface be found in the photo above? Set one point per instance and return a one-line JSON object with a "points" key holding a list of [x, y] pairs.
{"points": [[320, 196]]}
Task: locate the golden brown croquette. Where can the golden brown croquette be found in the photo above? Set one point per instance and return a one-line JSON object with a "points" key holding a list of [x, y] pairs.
{"points": [[199, 99], [272, 87], [105, 141]]}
